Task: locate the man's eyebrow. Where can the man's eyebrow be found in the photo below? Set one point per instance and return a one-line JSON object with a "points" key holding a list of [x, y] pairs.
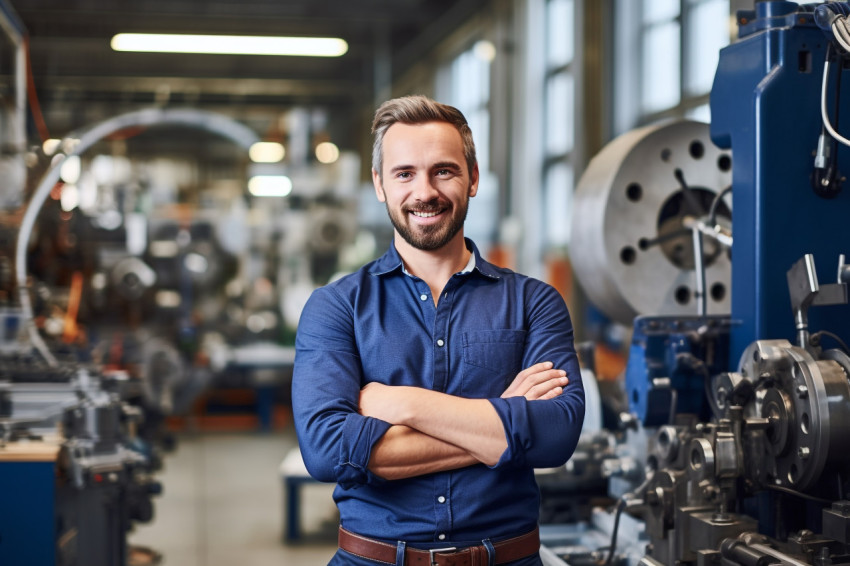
{"points": [[398, 168], [446, 165]]}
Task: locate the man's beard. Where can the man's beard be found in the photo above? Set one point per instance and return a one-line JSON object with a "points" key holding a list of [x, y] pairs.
{"points": [[434, 236]]}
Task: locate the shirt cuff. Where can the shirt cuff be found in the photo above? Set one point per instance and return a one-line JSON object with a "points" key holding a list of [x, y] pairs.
{"points": [[514, 414], [359, 435]]}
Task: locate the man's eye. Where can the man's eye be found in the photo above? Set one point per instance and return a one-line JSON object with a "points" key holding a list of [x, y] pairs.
{"points": [[404, 175], [443, 172]]}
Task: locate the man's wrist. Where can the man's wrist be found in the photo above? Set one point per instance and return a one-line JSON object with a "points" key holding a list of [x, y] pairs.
{"points": [[405, 406]]}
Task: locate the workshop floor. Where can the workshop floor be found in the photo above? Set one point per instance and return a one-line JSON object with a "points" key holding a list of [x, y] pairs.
{"points": [[222, 505]]}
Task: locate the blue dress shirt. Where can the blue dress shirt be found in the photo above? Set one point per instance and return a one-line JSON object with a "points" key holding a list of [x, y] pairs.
{"points": [[381, 324]]}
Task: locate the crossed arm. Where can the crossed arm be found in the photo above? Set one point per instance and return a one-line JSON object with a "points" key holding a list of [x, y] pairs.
{"points": [[434, 432]]}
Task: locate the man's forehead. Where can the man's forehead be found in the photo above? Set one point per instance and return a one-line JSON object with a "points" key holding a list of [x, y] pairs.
{"points": [[441, 137]]}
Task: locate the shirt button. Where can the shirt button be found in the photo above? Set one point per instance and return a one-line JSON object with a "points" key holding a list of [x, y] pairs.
{"points": [[440, 342], [423, 297], [441, 499], [442, 537]]}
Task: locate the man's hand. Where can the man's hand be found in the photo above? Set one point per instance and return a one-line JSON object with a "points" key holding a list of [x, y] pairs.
{"points": [[383, 402], [539, 381]]}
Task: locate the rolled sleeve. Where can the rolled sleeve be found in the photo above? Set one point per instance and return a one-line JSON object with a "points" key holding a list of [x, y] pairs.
{"points": [[544, 433], [335, 440], [541, 434], [359, 435]]}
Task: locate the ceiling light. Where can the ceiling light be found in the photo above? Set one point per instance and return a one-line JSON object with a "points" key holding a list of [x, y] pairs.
{"points": [[266, 152], [70, 198], [327, 152], [230, 44], [485, 50], [270, 185], [71, 169], [50, 146]]}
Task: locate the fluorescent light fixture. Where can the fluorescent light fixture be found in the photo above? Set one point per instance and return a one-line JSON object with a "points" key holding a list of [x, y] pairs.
{"points": [[327, 152], [270, 185], [230, 44], [266, 152]]}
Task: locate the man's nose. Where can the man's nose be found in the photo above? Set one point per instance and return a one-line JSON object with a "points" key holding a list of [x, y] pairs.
{"points": [[424, 189]]}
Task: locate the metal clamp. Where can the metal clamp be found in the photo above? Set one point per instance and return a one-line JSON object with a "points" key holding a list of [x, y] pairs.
{"points": [[432, 551]]}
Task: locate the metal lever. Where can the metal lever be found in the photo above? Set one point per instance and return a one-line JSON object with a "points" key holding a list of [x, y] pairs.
{"points": [[806, 292]]}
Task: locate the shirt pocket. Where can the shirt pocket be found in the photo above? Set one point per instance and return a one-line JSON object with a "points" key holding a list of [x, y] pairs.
{"points": [[491, 359]]}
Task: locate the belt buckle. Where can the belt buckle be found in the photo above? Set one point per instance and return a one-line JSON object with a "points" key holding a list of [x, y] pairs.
{"points": [[432, 551]]}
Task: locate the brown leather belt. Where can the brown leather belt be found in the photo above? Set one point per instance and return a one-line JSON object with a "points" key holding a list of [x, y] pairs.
{"points": [[506, 551]]}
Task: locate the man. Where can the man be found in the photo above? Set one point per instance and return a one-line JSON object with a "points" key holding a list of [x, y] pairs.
{"points": [[430, 383]]}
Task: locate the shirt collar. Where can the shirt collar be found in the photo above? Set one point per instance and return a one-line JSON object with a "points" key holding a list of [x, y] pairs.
{"points": [[391, 261]]}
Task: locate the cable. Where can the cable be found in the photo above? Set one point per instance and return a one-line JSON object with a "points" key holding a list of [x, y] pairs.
{"points": [[800, 494], [32, 96], [823, 112], [839, 31], [814, 339], [712, 211], [621, 505]]}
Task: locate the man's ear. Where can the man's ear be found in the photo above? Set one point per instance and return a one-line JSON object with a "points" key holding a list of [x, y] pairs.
{"points": [[379, 190], [473, 181]]}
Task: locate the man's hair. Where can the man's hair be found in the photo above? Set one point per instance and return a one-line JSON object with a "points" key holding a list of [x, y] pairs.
{"points": [[418, 109]]}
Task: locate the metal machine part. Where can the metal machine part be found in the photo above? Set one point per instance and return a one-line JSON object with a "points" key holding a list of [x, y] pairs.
{"points": [[805, 292], [806, 405], [77, 144], [637, 215], [669, 361], [73, 479]]}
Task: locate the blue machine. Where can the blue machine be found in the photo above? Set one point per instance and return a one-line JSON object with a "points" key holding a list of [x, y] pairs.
{"points": [[670, 362], [739, 421], [765, 106]]}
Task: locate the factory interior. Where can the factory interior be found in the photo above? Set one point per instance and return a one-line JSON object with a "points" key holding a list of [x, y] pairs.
{"points": [[674, 168]]}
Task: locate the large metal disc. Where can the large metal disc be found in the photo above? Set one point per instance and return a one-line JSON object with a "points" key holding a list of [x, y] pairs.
{"points": [[630, 248]]}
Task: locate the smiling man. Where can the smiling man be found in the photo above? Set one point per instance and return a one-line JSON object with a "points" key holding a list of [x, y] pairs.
{"points": [[430, 383]]}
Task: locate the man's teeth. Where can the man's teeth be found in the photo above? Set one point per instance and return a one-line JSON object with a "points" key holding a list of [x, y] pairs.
{"points": [[424, 214]]}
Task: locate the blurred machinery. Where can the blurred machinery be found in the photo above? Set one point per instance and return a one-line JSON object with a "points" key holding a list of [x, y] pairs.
{"points": [[115, 315], [75, 473], [75, 468], [120, 303], [733, 450]]}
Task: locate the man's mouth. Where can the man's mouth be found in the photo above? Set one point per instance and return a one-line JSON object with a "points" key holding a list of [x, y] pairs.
{"points": [[423, 214]]}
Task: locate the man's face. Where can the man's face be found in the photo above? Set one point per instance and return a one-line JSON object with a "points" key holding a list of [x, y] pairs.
{"points": [[426, 184]]}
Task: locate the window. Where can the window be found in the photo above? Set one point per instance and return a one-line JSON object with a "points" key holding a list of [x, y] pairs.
{"points": [[666, 57], [559, 122], [466, 86]]}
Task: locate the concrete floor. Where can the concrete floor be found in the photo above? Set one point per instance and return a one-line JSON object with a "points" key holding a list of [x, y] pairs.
{"points": [[222, 505]]}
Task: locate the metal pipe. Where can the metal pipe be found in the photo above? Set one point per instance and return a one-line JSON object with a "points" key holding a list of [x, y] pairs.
{"points": [[699, 271], [786, 559]]}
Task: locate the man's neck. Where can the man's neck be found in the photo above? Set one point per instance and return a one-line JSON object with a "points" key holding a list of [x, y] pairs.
{"points": [[434, 267]]}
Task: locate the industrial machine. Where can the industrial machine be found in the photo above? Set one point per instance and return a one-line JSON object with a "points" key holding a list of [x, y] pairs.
{"points": [[724, 247]]}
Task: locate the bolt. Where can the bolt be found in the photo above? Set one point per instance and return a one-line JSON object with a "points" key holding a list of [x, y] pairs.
{"points": [[802, 391], [803, 452]]}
